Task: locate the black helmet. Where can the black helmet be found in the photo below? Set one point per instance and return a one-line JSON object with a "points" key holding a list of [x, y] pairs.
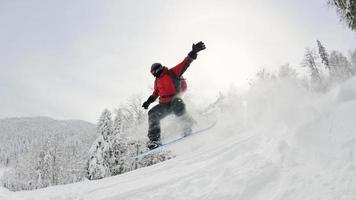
{"points": [[156, 69]]}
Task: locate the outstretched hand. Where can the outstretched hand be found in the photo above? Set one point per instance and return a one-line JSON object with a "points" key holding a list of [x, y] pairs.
{"points": [[198, 47]]}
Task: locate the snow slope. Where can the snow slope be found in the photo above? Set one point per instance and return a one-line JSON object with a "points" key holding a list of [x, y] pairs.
{"points": [[278, 141]]}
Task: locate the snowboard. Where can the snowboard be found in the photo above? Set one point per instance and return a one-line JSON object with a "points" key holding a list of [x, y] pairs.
{"points": [[165, 145]]}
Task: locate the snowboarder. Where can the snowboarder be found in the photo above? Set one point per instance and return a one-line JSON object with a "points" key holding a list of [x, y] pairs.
{"points": [[168, 85]]}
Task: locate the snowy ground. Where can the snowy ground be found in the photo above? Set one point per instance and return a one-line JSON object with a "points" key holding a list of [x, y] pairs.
{"points": [[285, 143]]}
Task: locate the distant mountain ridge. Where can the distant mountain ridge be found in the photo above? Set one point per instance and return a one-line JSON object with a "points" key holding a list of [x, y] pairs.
{"points": [[42, 123]]}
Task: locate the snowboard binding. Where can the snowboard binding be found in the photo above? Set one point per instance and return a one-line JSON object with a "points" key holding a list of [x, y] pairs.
{"points": [[153, 144]]}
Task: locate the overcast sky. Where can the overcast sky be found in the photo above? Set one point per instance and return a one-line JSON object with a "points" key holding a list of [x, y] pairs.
{"points": [[71, 59]]}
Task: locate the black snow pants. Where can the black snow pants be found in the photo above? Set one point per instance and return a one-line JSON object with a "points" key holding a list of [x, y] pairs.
{"points": [[160, 111]]}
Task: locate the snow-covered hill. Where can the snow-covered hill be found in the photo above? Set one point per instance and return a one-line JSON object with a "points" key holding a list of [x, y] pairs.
{"points": [[19, 135], [278, 141]]}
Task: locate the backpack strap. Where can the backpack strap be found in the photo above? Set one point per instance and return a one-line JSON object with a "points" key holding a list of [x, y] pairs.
{"points": [[176, 81]]}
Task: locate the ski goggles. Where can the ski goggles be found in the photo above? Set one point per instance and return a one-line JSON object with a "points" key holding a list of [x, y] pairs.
{"points": [[155, 72]]}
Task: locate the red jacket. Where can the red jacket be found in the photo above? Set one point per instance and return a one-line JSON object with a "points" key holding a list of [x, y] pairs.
{"points": [[164, 87]]}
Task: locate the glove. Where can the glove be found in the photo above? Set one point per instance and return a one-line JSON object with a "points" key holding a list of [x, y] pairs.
{"points": [[195, 49], [198, 47], [146, 104]]}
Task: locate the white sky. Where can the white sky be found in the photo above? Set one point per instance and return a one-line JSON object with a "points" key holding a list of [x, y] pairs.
{"points": [[71, 59]]}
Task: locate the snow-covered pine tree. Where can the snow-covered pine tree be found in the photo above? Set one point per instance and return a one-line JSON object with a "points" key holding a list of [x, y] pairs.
{"points": [[23, 175], [285, 71], [96, 168], [127, 119], [323, 54], [264, 75], [347, 11], [50, 163], [118, 147], [353, 62], [43, 169], [105, 125], [340, 68], [99, 153], [132, 114], [154, 158], [118, 122], [139, 115], [310, 62]]}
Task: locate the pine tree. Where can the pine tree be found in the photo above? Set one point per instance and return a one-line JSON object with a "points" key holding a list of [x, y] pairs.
{"points": [[118, 146], [264, 75], [310, 61], [43, 169], [97, 166], [105, 125], [139, 115], [353, 62], [323, 55], [119, 160], [154, 158], [340, 68], [285, 71], [24, 175], [347, 11], [118, 122], [98, 163]]}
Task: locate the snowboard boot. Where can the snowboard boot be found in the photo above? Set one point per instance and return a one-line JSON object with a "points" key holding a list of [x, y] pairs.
{"points": [[187, 131], [153, 144], [188, 123]]}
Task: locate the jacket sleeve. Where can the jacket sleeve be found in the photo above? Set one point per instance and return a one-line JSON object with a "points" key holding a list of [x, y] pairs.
{"points": [[183, 66]]}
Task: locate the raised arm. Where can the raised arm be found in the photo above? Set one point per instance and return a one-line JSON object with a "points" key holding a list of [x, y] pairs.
{"points": [[192, 55]]}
